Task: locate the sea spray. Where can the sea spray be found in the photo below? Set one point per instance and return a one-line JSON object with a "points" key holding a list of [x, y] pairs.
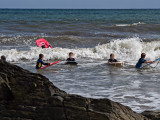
{"points": [[124, 49]]}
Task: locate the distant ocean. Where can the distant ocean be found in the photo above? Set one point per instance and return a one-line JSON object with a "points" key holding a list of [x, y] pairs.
{"points": [[91, 26], [92, 34]]}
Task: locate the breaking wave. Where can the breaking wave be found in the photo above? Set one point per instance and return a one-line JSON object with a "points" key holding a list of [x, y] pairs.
{"points": [[134, 24], [124, 49]]}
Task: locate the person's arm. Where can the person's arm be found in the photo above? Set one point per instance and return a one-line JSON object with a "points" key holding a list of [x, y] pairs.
{"points": [[109, 62], [112, 63], [116, 60], [45, 63], [74, 60], [50, 46], [148, 61], [67, 59]]}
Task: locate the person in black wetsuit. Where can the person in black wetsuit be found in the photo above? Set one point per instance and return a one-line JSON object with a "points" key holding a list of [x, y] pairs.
{"points": [[40, 62], [112, 60], [43, 46], [71, 59]]}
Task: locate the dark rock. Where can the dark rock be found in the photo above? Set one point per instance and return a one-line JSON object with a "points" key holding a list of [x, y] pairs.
{"points": [[153, 115], [5, 91], [30, 96]]}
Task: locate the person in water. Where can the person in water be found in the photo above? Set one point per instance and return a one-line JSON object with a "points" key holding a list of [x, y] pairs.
{"points": [[43, 46], [71, 59], [142, 60], [112, 60], [3, 58], [40, 62]]}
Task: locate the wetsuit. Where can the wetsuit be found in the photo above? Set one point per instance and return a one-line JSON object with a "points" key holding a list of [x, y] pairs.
{"points": [[112, 60], [140, 62], [70, 60], [40, 63], [43, 46]]}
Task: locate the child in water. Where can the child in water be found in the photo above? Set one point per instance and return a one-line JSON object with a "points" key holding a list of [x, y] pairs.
{"points": [[142, 60], [70, 59], [3, 58], [40, 62], [112, 60]]}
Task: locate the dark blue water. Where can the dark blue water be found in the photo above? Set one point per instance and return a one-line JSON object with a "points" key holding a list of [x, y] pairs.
{"points": [[91, 26], [49, 20]]}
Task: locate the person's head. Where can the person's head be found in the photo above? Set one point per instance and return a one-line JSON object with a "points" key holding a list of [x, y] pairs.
{"points": [[71, 55], [3, 58], [112, 56], [43, 46], [41, 56], [143, 55]]}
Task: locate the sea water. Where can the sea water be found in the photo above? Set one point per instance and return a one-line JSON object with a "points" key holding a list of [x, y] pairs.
{"points": [[91, 35]]}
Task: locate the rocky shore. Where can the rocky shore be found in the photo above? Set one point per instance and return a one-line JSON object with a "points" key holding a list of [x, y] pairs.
{"points": [[30, 96]]}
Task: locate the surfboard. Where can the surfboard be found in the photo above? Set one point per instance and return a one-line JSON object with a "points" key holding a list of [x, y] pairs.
{"points": [[50, 65], [40, 42], [117, 64], [156, 60], [71, 63], [147, 64]]}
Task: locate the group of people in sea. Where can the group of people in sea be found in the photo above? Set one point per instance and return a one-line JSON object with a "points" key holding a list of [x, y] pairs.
{"points": [[42, 43], [139, 64], [41, 56], [111, 60]]}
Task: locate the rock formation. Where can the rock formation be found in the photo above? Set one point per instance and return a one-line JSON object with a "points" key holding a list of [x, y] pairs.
{"points": [[30, 96]]}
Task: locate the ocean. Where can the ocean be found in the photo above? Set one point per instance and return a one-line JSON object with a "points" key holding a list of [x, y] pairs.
{"points": [[91, 34]]}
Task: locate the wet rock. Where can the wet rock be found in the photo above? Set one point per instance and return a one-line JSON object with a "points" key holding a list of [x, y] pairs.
{"points": [[153, 115], [30, 96], [5, 91]]}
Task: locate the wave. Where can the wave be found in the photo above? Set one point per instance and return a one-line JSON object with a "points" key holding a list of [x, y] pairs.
{"points": [[134, 24], [124, 49]]}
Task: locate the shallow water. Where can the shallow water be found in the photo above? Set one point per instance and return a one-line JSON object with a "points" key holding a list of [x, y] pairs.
{"points": [[92, 35], [138, 89]]}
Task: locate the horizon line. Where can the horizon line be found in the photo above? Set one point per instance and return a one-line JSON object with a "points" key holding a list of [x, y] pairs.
{"points": [[87, 8]]}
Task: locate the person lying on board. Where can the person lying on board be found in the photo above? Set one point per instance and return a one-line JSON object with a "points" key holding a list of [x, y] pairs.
{"points": [[40, 62], [112, 60], [71, 59], [142, 60], [43, 46]]}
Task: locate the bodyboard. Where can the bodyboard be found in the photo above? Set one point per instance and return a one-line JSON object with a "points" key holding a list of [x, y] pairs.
{"points": [[40, 42], [71, 63], [148, 64], [118, 64], [50, 65]]}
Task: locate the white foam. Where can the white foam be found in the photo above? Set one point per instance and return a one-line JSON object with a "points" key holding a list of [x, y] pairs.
{"points": [[124, 49], [134, 24], [139, 23], [122, 25]]}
